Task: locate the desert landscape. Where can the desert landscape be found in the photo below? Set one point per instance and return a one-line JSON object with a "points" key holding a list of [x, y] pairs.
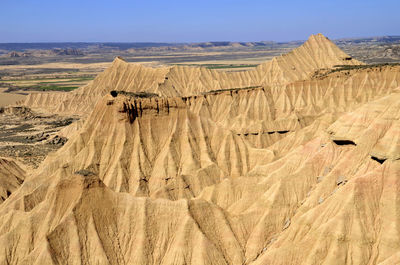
{"points": [[202, 154]]}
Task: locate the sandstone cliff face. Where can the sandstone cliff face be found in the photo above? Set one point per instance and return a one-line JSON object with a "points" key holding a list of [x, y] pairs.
{"points": [[350, 214], [301, 172], [155, 147], [317, 187], [266, 111], [11, 177]]}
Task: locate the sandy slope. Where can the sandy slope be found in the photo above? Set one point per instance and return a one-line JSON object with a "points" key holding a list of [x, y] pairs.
{"points": [[11, 177], [258, 199], [354, 220]]}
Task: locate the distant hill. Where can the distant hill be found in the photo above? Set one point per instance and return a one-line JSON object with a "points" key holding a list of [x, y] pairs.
{"points": [[93, 46]]}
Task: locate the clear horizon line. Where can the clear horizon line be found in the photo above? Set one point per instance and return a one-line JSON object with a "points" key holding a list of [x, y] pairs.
{"points": [[193, 42]]}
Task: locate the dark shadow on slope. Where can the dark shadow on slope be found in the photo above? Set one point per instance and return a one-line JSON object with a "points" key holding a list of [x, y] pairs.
{"points": [[380, 161], [344, 142]]}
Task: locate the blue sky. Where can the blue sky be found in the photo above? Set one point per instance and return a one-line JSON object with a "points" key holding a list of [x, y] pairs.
{"points": [[194, 21]]}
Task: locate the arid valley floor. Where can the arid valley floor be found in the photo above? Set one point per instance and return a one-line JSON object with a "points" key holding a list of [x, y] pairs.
{"points": [[207, 153]]}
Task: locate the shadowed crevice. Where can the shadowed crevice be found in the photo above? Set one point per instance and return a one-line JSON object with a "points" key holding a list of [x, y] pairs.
{"points": [[380, 161], [114, 93], [344, 142]]}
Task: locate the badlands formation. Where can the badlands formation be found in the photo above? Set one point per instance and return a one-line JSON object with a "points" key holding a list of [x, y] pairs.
{"points": [[295, 162]]}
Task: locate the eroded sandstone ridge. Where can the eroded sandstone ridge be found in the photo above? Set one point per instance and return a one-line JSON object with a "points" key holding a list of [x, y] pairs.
{"points": [[11, 177], [317, 53], [179, 165]]}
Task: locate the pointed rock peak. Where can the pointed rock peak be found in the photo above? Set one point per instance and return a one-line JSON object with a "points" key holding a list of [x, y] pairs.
{"points": [[325, 52], [319, 37], [119, 59], [121, 62], [319, 40]]}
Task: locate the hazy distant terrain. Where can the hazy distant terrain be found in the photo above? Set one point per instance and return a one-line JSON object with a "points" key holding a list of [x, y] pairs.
{"points": [[372, 50]]}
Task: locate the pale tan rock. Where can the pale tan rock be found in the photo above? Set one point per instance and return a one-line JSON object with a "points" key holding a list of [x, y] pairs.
{"points": [[11, 177], [185, 179]]}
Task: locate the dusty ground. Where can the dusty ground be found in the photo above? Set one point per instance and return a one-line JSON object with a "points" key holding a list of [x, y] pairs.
{"points": [[28, 136], [48, 76]]}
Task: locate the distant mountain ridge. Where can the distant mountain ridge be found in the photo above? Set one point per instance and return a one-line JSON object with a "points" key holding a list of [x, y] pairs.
{"points": [[146, 45]]}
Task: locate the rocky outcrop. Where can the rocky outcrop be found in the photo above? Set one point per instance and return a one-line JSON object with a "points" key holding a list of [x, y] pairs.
{"points": [[11, 177]]}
